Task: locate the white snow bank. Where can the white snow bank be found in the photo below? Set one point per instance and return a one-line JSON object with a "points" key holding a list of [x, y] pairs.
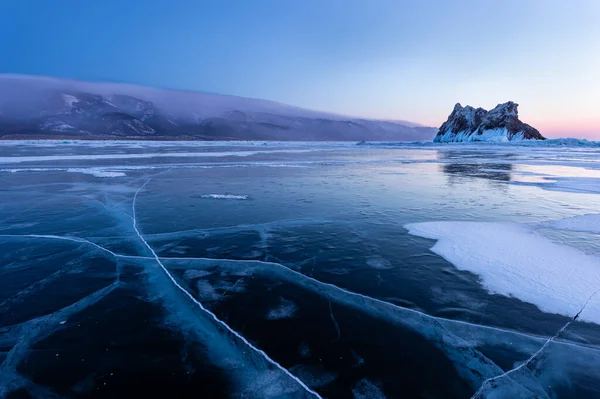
{"points": [[225, 196], [589, 223], [514, 261]]}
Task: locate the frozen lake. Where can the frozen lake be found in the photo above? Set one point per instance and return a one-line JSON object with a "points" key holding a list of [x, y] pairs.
{"points": [[255, 270]]}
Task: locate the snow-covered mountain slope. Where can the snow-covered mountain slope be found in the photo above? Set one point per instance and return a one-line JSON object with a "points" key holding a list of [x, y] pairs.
{"points": [[500, 124], [49, 107]]}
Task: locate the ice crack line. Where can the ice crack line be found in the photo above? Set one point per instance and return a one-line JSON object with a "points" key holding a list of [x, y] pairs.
{"points": [[85, 241], [335, 323], [362, 296], [63, 238], [532, 357], [215, 318]]}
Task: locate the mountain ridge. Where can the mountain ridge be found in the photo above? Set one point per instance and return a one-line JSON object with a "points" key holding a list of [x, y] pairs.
{"points": [[46, 107]]}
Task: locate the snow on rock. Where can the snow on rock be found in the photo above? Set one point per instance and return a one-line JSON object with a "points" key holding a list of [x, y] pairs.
{"points": [[589, 223], [513, 260], [69, 99], [501, 124]]}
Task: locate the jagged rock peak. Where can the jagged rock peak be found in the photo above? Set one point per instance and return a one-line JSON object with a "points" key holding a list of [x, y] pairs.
{"points": [[476, 124]]}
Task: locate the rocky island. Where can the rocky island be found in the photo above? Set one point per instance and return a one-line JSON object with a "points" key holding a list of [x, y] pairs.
{"points": [[501, 124]]}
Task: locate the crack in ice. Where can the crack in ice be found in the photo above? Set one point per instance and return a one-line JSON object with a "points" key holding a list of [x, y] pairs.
{"points": [[335, 323], [215, 318], [138, 257], [33, 330], [365, 297], [63, 238], [535, 354], [158, 259]]}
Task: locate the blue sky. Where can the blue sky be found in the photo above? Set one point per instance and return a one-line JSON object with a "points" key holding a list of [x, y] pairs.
{"points": [[388, 59]]}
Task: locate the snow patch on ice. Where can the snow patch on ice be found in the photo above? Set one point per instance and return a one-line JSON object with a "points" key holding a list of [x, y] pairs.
{"points": [[589, 223], [225, 196], [514, 261], [285, 310]]}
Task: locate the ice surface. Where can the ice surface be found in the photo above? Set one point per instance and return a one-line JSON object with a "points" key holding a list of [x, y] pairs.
{"points": [[473, 366], [193, 274], [377, 262], [146, 155], [69, 99], [284, 310], [587, 223], [28, 333], [513, 260], [206, 291], [465, 344], [258, 351], [96, 172], [587, 185], [365, 389]]}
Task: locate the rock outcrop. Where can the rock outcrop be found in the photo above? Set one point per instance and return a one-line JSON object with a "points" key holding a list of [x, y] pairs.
{"points": [[476, 124]]}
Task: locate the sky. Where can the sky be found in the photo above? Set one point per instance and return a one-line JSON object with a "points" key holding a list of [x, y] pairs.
{"points": [[387, 59]]}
